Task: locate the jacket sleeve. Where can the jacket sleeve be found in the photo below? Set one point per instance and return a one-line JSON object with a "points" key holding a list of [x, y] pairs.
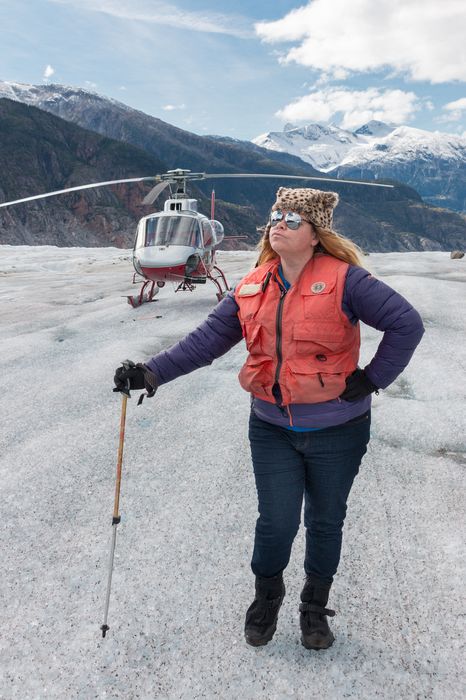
{"points": [[375, 303], [214, 337]]}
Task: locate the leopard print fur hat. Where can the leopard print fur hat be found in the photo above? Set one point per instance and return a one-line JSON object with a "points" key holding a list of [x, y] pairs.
{"points": [[315, 205]]}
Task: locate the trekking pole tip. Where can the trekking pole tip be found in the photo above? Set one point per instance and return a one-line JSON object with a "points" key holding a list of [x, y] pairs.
{"points": [[104, 629]]}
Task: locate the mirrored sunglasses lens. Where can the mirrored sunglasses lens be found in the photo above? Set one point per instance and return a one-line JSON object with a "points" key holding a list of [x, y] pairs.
{"points": [[293, 221], [276, 216]]}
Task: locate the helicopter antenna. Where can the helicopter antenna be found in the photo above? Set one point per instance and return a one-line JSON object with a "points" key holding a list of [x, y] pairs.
{"points": [[212, 204]]}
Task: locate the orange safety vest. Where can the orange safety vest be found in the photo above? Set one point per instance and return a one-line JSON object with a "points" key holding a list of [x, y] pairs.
{"points": [[300, 339]]}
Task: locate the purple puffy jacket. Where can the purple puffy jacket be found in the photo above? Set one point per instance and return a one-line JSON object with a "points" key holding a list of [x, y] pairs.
{"points": [[365, 299]]}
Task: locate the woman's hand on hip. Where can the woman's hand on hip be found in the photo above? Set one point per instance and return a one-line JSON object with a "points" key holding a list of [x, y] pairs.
{"points": [[358, 386]]}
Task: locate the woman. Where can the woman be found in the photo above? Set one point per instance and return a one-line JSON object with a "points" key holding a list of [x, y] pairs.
{"points": [[299, 312]]}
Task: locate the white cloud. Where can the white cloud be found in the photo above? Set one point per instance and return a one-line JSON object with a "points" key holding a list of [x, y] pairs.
{"points": [[457, 104], [421, 38], [455, 110], [352, 107], [167, 14], [48, 72], [90, 84], [170, 108]]}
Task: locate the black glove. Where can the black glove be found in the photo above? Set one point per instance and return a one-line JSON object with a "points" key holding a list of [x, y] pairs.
{"points": [[131, 376], [358, 385]]}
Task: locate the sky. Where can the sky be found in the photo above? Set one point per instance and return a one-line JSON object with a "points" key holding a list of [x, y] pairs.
{"points": [[246, 68]]}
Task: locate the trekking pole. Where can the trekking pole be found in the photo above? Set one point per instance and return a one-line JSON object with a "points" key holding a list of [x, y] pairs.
{"points": [[116, 516]]}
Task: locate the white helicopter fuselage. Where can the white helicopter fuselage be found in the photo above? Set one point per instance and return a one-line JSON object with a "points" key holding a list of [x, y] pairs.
{"points": [[176, 244], [165, 255]]}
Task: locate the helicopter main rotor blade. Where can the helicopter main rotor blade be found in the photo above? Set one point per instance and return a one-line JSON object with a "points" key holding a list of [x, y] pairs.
{"points": [[155, 191], [81, 187], [298, 177]]}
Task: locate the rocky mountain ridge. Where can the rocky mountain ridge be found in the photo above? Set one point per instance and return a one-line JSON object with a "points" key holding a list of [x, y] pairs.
{"points": [[378, 219]]}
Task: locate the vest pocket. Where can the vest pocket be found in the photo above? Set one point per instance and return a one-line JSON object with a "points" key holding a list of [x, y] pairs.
{"points": [[318, 338], [319, 304], [248, 305], [307, 385], [255, 375], [259, 341], [252, 335]]}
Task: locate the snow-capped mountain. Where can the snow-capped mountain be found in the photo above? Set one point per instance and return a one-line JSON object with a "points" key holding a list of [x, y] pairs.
{"points": [[324, 147], [328, 147], [434, 163], [49, 96]]}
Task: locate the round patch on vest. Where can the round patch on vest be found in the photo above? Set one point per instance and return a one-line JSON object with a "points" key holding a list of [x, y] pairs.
{"points": [[318, 287]]}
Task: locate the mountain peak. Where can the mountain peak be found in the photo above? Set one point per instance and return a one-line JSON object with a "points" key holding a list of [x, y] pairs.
{"points": [[375, 128], [321, 145], [37, 95]]}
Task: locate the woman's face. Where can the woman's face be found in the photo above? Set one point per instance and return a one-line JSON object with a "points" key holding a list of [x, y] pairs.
{"points": [[300, 241]]}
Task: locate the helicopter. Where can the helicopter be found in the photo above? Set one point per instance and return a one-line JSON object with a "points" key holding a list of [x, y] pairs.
{"points": [[178, 244]]}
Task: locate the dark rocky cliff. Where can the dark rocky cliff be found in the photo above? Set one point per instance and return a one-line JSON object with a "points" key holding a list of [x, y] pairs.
{"points": [[41, 152]]}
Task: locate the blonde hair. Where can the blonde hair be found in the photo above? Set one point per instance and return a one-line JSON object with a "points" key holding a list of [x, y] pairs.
{"points": [[330, 242]]}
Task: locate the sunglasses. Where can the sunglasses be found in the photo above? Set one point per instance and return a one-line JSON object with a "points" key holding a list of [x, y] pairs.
{"points": [[292, 220]]}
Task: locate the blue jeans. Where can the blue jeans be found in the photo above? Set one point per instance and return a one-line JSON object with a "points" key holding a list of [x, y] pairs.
{"points": [[320, 466]]}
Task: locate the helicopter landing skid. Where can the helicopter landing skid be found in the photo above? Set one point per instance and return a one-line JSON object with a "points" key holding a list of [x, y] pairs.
{"points": [[144, 296], [218, 278]]}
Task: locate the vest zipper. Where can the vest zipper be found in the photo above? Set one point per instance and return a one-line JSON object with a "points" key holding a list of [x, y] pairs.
{"points": [[278, 328]]}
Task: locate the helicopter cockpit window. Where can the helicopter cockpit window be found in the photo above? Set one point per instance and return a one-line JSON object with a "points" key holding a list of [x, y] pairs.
{"points": [[172, 230]]}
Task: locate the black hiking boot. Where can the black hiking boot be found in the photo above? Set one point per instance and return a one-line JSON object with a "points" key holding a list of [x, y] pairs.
{"points": [[262, 614], [315, 632]]}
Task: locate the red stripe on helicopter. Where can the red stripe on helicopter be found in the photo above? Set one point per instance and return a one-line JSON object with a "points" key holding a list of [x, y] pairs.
{"points": [[165, 274]]}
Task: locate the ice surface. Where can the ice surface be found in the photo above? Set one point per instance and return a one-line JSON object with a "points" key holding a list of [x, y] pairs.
{"points": [[182, 580]]}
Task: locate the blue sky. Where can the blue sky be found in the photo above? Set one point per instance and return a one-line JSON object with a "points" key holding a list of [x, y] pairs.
{"points": [[245, 68]]}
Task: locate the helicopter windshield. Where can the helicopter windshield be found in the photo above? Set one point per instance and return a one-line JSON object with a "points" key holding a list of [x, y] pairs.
{"points": [[172, 230]]}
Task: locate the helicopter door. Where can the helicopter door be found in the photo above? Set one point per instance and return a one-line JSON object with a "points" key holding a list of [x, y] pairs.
{"points": [[212, 233], [208, 234], [219, 231]]}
